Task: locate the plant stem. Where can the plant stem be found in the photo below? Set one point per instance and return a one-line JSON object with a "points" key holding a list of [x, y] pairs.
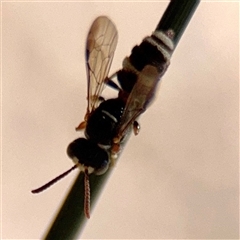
{"points": [[177, 16]]}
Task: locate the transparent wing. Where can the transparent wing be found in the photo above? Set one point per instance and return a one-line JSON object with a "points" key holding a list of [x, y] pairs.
{"points": [[100, 47], [139, 98]]}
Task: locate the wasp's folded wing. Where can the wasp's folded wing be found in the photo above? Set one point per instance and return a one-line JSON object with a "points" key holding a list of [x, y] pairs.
{"points": [[139, 98], [100, 47]]}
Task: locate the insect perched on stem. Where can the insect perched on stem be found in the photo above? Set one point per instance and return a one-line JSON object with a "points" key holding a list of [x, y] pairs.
{"points": [[107, 122]]}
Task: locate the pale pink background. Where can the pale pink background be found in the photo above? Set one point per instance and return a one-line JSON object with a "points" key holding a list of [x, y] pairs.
{"points": [[178, 178]]}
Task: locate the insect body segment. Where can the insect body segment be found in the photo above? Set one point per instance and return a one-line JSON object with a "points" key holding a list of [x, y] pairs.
{"points": [[88, 155], [102, 123]]}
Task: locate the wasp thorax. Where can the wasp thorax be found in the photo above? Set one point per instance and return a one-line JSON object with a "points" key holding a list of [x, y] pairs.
{"points": [[103, 122], [89, 155]]}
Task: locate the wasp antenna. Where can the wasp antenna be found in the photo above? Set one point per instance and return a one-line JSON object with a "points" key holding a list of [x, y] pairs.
{"points": [[47, 185], [86, 195]]}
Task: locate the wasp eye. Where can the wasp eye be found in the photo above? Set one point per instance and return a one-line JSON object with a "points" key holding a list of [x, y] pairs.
{"points": [[103, 168]]}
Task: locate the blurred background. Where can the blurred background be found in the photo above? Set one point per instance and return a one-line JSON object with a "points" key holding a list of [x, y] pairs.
{"points": [[178, 178]]}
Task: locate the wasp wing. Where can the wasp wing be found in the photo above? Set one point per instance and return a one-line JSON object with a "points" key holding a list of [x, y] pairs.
{"points": [[100, 47], [139, 98]]}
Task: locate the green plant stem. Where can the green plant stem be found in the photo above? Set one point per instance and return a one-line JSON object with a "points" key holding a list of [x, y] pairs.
{"points": [[70, 219], [176, 17]]}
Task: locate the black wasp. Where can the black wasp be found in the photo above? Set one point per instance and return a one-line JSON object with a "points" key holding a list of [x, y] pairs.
{"points": [[107, 122]]}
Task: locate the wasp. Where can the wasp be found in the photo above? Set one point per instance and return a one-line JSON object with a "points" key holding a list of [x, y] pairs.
{"points": [[108, 122]]}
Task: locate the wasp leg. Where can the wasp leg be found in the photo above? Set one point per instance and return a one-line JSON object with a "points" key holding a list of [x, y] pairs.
{"points": [[136, 128], [115, 149], [81, 126]]}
